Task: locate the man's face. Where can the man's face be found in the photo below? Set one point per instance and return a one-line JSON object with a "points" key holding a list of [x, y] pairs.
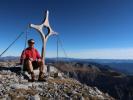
{"points": [[31, 44]]}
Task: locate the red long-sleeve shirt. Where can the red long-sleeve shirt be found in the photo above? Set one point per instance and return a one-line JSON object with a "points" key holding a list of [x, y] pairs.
{"points": [[29, 53]]}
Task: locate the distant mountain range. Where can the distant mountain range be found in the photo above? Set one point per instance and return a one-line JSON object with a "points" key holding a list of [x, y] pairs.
{"points": [[9, 58], [117, 84], [125, 66]]}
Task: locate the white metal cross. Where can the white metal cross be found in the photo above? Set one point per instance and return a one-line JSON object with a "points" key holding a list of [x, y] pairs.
{"points": [[44, 37]]}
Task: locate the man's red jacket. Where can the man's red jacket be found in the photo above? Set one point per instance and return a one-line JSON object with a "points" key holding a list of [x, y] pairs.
{"points": [[29, 53]]}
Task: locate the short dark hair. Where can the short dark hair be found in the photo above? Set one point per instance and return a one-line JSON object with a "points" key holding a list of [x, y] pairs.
{"points": [[31, 41]]}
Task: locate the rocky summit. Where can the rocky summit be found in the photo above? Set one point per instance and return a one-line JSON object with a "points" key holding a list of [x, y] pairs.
{"points": [[15, 86]]}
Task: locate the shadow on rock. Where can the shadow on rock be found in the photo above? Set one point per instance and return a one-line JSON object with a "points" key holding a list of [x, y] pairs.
{"points": [[16, 70]]}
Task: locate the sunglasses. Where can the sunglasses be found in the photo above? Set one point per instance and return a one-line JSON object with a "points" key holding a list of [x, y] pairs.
{"points": [[31, 43]]}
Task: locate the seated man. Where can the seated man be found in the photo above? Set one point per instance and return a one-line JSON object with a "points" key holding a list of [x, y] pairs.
{"points": [[31, 59]]}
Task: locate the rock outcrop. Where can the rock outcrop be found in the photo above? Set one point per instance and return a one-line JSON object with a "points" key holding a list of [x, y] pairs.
{"points": [[15, 86]]}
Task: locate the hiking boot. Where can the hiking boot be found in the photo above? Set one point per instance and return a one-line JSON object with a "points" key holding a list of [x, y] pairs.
{"points": [[42, 77], [32, 77]]}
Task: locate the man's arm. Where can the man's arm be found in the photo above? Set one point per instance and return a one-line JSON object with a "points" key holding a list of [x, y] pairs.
{"points": [[38, 55]]}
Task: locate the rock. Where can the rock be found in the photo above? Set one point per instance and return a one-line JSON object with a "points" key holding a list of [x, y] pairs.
{"points": [[60, 75], [66, 97], [35, 97], [0, 76], [3, 99], [52, 69], [74, 92], [55, 75], [19, 86], [15, 86], [82, 98], [100, 97], [1, 94], [99, 92]]}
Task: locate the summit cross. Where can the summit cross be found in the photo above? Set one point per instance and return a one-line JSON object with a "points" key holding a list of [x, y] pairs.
{"points": [[44, 36]]}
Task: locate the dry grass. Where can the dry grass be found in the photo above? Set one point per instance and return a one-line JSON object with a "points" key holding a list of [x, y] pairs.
{"points": [[63, 81], [16, 95]]}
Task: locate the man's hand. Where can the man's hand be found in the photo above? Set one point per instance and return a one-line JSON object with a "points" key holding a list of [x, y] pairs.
{"points": [[40, 60], [31, 59]]}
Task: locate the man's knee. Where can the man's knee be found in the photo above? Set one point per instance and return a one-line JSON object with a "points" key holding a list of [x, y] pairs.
{"points": [[41, 62], [28, 62], [27, 65]]}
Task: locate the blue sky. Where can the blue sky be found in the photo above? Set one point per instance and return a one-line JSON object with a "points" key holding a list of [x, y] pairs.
{"points": [[87, 28]]}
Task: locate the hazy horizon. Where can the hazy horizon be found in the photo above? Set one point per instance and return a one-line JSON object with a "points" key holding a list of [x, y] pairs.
{"points": [[74, 58]]}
